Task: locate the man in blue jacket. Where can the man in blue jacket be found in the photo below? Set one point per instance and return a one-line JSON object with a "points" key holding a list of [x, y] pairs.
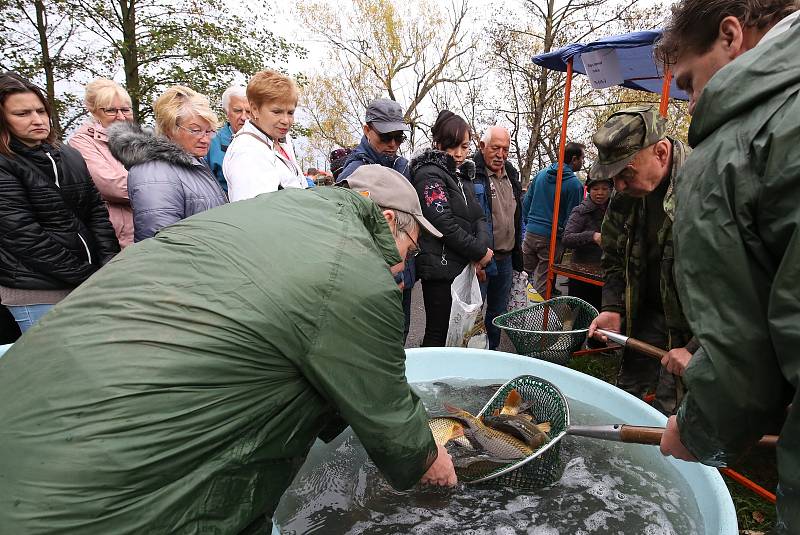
{"points": [[237, 110], [537, 211], [384, 132]]}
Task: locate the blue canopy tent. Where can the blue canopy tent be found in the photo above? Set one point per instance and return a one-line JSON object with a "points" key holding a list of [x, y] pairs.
{"points": [[626, 60], [634, 55]]}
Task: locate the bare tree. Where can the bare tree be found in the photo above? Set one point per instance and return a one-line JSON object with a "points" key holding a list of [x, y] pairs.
{"points": [[394, 49], [533, 94]]}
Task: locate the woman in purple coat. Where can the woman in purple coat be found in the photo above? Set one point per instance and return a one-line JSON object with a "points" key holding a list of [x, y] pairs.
{"points": [[582, 234]]}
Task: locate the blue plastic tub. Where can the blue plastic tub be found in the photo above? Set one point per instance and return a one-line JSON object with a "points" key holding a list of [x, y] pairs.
{"points": [[433, 364]]}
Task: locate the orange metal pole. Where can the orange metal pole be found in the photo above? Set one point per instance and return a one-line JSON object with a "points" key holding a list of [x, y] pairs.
{"points": [[559, 177], [665, 92], [758, 489]]}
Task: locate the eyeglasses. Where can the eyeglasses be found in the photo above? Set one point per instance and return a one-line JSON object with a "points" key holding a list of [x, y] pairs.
{"points": [[415, 250], [197, 132], [112, 112], [397, 137]]}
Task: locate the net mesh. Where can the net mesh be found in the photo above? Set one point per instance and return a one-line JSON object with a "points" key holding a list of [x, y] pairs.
{"points": [[544, 466], [540, 330]]}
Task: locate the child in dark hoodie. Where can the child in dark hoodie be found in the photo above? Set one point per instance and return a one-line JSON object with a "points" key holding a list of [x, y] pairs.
{"points": [[537, 209], [582, 234]]}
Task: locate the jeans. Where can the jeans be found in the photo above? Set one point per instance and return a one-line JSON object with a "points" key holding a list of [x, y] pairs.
{"points": [[437, 312], [27, 315], [497, 290]]}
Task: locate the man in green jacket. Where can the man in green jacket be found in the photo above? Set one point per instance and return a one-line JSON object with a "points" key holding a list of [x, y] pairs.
{"points": [[737, 234], [180, 389], [636, 237]]}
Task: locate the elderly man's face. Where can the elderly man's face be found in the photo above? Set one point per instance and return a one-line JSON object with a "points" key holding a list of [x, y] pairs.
{"points": [[495, 150], [238, 112], [648, 168]]}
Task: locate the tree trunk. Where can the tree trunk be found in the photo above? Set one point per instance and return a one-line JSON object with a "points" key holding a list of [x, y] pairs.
{"points": [[47, 63], [526, 169], [130, 54]]}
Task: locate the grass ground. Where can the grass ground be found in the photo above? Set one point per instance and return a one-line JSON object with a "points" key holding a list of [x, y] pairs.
{"points": [[754, 514]]}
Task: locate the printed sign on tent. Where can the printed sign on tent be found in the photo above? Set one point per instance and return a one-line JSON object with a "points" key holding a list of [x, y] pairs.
{"points": [[602, 68]]}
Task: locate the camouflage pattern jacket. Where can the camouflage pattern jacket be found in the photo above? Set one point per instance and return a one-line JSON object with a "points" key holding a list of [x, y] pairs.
{"points": [[623, 234]]}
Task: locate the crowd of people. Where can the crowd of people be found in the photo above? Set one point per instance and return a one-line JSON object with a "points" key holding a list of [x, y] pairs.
{"points": [[196, 310]]}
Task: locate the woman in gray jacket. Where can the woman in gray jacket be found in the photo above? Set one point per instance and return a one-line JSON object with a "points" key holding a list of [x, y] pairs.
{"points": [[168, 177]]}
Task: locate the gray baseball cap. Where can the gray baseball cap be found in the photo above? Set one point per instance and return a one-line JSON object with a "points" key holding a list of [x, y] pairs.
{"points": [[385, 116], [389, 190]]}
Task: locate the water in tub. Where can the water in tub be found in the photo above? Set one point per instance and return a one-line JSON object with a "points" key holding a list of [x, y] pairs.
{"points": [[606, 488]]}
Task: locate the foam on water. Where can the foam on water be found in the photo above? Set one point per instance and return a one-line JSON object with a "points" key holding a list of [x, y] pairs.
{"points": [[605, 488]]}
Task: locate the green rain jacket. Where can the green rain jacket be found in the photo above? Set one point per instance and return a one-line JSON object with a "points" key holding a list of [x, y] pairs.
{"points": [[737, 238], [181, 387], [623, 235]]}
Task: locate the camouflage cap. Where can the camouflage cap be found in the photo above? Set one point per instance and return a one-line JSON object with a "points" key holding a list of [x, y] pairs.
{"points": [[623, 135]]}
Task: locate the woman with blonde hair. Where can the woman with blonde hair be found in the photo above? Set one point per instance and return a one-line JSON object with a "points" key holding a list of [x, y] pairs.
{"points": [[107, 102], [261, 159], [168, 177]]}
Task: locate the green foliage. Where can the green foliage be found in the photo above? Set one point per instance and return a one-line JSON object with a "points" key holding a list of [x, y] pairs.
{"points": [[202, 44]]}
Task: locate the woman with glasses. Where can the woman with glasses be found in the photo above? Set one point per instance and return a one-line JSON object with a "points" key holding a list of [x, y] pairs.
{"points": [[107, 102], [54, 228], [261, 159], [168, 177], [443, 178]]}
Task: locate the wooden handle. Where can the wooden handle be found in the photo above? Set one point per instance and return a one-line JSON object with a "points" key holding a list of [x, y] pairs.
{"points": [[645, 349], [636, 434]]}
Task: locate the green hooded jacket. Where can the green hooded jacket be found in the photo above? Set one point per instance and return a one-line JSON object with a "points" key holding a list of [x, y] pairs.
{"points": [[180, 388], [737, 239], [623, 235]]}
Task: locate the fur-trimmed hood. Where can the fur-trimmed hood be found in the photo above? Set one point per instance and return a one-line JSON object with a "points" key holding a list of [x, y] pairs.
{"points": [[444, 161], [131, 144]]}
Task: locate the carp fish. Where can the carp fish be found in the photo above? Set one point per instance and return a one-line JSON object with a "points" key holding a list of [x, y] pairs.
{"points": [[513, 418], [493, 442]]}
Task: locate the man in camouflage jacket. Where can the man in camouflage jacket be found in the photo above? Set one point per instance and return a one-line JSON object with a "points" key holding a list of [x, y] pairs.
{"points": [[635, 152]]}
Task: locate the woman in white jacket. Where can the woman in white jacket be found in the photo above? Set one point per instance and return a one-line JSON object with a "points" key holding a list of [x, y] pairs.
{"points": [[261, 159]]}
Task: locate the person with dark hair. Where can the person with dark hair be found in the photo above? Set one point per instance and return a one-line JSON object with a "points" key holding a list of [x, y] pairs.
{"points": [[337, 159], [443, 178], [737, 234], [582, 234], [537, 211], [54, 226]]}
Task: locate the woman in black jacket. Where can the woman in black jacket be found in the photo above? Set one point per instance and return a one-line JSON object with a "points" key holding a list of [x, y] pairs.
{"points": [[582, 234], [54, 227], [448, 201]]}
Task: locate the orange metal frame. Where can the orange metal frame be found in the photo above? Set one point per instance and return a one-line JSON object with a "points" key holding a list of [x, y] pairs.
{"points": [[551, 273]]}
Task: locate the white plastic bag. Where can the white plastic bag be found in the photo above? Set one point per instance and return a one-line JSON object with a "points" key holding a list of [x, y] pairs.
{"points": [[466, 327]]}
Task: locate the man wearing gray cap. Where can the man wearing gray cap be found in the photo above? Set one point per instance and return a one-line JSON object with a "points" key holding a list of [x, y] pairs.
{"points": [[636, 237], [235, 339], [384, 132]]}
